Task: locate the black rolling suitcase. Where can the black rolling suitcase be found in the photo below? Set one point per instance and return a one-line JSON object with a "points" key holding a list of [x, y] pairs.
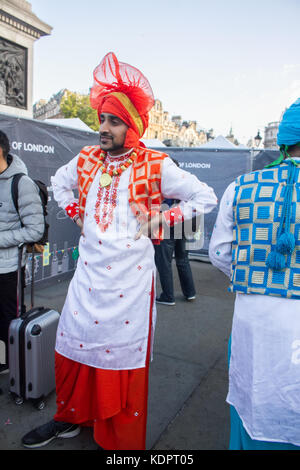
{"points": [[31, 349]]}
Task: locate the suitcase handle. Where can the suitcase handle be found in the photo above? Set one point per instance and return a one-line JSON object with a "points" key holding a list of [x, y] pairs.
{"points": [[19, 288], [19, 281], [32, 312]]}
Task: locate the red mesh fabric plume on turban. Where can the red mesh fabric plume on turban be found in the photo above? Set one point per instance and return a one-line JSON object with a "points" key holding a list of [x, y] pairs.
{"points": [[122, 90]]}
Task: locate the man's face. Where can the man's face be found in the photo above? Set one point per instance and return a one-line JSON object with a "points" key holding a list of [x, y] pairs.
{"points": [[112, 133], [3, 162]]}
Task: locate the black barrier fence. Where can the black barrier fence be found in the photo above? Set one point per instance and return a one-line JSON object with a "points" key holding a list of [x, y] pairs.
{"points": [[45, 147]]}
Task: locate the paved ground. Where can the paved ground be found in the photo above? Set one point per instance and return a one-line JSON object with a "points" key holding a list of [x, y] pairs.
{"points": [[188, 375]]}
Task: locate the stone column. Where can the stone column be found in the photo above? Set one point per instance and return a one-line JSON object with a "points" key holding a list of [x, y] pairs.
{"points": [[19, 29]]}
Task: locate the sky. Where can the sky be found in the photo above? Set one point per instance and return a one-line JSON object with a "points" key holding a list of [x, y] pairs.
{"points": [[222, 63]]}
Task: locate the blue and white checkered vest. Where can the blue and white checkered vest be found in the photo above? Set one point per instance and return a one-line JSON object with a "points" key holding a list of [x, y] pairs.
{"points": [[257, 208]]}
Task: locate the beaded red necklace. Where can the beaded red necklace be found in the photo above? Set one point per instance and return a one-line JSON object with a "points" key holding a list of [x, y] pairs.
{"points": [[107, 175]]}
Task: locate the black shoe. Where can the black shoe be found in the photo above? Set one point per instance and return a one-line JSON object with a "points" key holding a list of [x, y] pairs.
{"points": [[44, 434], [160, 300]]}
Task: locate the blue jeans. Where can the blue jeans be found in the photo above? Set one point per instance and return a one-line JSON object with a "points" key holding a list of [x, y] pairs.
{"points": [[163, 260]]}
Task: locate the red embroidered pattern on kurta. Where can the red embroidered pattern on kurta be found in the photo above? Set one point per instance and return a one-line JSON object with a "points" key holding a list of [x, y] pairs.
{"points": [[107, 196]]}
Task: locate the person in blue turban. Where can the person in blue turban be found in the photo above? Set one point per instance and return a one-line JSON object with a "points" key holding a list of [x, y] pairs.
{"points": [[256, 243]]}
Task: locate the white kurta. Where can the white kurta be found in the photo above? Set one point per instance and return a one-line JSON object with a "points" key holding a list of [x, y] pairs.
{"points": [[105, 320], [264, 370]]}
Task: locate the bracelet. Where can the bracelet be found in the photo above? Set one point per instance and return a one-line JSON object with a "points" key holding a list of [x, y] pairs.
{"points": [[173, 216], [72, 210]]}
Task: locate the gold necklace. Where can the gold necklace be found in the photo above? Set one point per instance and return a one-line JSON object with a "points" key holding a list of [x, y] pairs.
{"points": [[107, 175]]}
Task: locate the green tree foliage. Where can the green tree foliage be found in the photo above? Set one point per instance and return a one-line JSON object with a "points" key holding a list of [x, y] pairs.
{"points": [[75, 105]]}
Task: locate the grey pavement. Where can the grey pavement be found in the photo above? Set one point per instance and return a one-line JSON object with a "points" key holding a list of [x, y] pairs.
{"points": [[188, 375]]}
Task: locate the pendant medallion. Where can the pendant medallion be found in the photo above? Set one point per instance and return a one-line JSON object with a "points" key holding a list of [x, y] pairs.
{"points": [[105, 180]]}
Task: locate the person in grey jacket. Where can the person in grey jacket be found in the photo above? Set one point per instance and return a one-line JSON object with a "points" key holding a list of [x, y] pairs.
{"points": [[16, 229]]}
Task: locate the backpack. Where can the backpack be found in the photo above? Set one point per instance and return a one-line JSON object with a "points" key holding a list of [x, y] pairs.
{"points": [[43, 192]]}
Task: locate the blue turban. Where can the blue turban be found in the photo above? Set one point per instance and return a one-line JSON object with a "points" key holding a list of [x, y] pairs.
{"points": [[288, 134], [289, 128]]}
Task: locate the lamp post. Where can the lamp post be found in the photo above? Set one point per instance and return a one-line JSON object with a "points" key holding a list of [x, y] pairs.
{"points": [[257, 139]]}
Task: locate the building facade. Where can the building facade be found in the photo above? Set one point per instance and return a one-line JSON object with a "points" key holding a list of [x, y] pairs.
{"points": [[44, 109], [270, 139], [172, 132], [175, 132]]}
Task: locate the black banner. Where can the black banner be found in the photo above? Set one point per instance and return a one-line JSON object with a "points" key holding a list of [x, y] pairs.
{"points": [[45, 147]]}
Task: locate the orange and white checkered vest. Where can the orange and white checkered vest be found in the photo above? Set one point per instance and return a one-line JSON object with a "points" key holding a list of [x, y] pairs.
{"points": [[144, 190]]}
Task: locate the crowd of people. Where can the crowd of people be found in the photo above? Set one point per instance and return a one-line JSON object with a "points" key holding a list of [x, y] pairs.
{"points": [[104, 340]]}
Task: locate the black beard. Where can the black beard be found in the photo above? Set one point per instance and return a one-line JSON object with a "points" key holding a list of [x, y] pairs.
{"points": [[112, 145]]}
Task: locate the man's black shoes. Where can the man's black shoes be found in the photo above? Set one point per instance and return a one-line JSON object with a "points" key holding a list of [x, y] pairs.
{"points": [[44, 434]]}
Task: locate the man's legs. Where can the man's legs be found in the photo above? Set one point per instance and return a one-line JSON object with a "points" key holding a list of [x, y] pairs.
{"points": [[127, 429], [114, 402], [184, 269], [58, 428], [8, 304], [240, 439], [163, 261]]}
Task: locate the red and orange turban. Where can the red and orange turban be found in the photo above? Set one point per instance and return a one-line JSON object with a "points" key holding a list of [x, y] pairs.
{"points": [[122, 90]]}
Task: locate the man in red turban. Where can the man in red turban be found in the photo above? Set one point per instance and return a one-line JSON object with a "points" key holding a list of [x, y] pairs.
{"points": [[105, 334]]}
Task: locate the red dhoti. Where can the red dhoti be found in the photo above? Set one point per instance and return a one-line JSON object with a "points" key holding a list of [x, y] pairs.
{"points": [[113, 402]]}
